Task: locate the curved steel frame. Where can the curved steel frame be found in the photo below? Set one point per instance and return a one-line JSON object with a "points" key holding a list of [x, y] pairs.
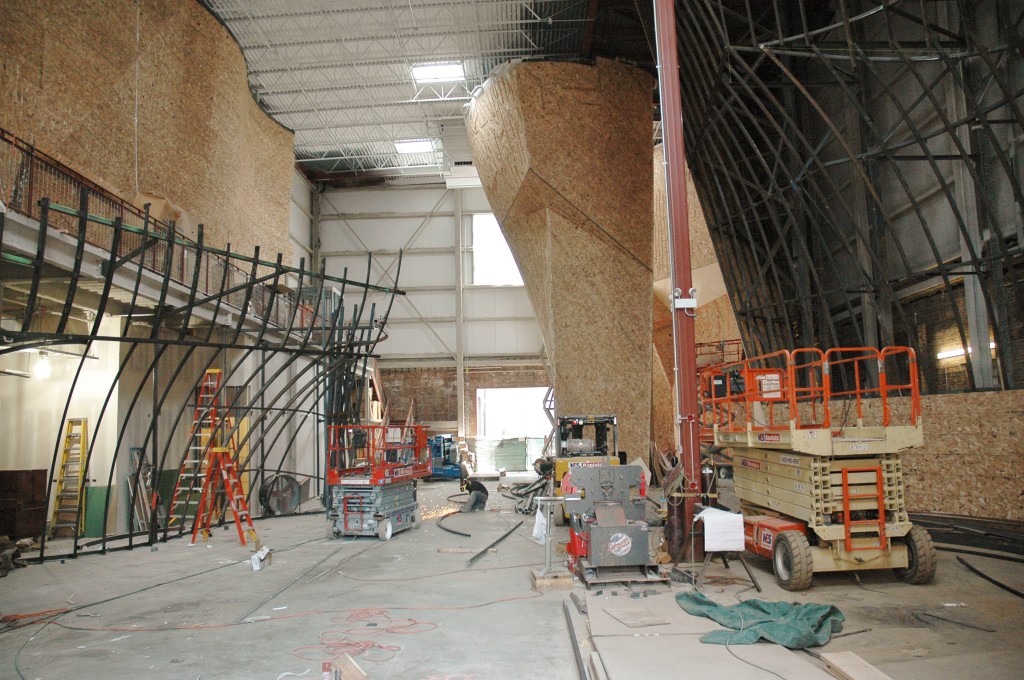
{"points": [[859, 165], [184, 307]]}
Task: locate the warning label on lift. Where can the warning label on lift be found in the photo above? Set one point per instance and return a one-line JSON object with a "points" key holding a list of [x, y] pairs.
{"points": [[752, 464], [768, 437]]}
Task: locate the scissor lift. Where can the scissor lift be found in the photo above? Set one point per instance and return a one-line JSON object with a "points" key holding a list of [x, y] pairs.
{"points": [[371, 478], [816, 439]]}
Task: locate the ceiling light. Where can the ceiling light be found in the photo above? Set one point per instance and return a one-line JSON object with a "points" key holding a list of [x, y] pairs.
{"points": [[438, 73], [414, 146], [42, 368], [959, 352]]}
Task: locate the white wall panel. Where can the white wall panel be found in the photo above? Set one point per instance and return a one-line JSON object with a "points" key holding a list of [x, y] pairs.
{"points": [[419, 340], [429, 304], [299, 221], [418, 269], [422, 222], [485, 338], [486, 301], [392, 233], [387, 200]]}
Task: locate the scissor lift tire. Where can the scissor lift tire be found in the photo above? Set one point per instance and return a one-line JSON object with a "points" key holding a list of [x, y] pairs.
{"points": [[921, 557], [792, 561]]}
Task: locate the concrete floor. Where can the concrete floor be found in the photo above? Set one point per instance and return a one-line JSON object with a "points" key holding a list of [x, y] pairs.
{"points": [[403, 609]]}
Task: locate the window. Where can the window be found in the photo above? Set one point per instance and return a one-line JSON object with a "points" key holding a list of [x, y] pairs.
{"points": [[493, 264]]}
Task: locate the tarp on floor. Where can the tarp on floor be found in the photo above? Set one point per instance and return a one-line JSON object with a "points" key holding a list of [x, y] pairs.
{"points": [[791, 625]]}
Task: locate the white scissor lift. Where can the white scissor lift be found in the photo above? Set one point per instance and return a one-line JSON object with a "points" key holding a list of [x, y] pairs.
{"points": [[816, 440]]}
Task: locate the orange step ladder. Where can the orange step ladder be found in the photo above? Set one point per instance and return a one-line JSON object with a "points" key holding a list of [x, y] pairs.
{"points": [[194, 465], [879, 495], [223, 477]]}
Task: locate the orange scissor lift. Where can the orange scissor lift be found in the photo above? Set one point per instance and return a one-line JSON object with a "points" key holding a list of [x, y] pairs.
{"points": [[816, 439], [371, 478]]}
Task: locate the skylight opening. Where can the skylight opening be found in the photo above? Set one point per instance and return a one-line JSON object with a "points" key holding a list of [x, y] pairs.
{"points": [[438, 73], [414, 146]]}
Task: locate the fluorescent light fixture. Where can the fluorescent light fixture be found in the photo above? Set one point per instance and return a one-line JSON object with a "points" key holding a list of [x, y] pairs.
{"points": [[959, 352], [414, 146], [438, 73]]}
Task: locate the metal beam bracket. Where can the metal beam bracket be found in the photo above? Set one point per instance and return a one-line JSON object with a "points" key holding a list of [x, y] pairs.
{"points": [[680, 302]]}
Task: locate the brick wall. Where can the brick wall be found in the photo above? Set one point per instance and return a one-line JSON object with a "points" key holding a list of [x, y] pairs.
{"points": [[436, 393]]}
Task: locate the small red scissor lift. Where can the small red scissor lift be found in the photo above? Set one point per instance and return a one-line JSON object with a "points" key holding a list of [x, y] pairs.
{"points": [[371, 478], [816, 439]]}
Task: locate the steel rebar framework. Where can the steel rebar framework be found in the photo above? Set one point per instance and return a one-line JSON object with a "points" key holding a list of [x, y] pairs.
{"points": [[81, 269], [860, 167]]}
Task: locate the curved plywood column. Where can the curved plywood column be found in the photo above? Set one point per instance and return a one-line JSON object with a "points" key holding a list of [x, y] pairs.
{"points": [[150, 99], [563, 152]]}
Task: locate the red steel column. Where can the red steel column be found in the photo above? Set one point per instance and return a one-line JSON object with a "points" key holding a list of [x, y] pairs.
{"points": [[681, 509]]}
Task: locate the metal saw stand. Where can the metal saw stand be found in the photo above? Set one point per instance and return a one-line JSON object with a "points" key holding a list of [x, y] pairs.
{"points": [[647, 574], [608, 536]]}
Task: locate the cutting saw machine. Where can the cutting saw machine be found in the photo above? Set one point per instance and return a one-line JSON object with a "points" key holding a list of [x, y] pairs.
{"points": [[608, 537]]}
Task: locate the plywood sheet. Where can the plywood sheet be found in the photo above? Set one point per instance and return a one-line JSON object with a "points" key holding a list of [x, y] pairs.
{"points": [[606, 611], [663, 656], [978, 433], [849, 666], [200, 141]]}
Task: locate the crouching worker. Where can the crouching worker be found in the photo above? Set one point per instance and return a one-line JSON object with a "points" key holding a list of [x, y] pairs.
{"points": [[477, 495]]}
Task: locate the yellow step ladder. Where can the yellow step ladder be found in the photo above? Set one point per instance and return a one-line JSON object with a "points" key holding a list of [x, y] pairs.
{"points": [[66, 519]]}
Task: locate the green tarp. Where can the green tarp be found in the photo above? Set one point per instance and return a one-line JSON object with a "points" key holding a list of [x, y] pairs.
{"points": [[791, 625]]}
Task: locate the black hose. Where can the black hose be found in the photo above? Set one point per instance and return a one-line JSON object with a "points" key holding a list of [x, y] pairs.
{"points": [[978, 553], [451, 531], [989, 578]]}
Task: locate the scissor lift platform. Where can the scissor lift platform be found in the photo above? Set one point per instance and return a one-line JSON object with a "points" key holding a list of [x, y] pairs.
{"points": [[371, 478], [816, 440]]}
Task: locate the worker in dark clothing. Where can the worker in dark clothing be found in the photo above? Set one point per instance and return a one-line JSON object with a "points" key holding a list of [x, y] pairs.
{"points": [[477, 495]]}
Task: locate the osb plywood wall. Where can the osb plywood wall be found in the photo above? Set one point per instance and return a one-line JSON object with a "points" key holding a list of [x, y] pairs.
{"points": [[563, 152], [715, 318], [75, 76], [972, 460]]}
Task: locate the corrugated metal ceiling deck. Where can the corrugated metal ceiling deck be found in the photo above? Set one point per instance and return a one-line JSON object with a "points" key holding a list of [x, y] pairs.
{"points": [[339, 72]]}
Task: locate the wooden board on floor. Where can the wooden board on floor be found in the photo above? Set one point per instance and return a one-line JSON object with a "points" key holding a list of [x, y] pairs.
{"points": [[662, 656], [850, 666], [605, 609]]}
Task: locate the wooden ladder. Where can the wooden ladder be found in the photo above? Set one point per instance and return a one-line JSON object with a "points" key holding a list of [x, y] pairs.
{"points": [[222, 481], [195, 464], [874, 524], [71, 480]]}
